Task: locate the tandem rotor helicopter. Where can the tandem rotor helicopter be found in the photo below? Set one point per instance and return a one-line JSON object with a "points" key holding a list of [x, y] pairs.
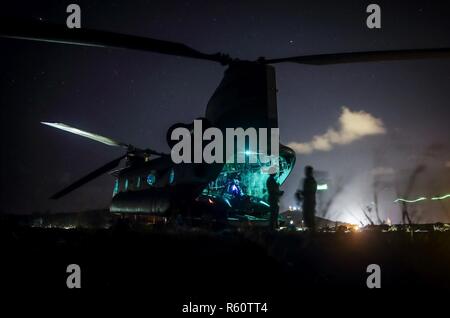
{"points": [[151, 183]]}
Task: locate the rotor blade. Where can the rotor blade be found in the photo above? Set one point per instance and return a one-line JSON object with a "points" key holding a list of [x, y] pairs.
{"points": [[79, 132], [47, 32], [371, 56], [91, 176], [104, 140]]}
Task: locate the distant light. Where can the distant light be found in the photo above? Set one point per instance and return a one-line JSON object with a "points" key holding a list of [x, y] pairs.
{"points": [[410, 201], [210, 201], [322, 187], [291, 222]]}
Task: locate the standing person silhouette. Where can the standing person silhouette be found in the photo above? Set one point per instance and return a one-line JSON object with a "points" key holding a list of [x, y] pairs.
{"points": [[308, 197], [273, 189]]}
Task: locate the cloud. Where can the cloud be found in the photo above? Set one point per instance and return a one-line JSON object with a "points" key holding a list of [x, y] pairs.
{"points": [[353, 125]]}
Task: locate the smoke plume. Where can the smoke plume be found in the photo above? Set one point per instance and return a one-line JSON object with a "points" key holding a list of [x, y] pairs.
{"points": [[352, 126]]}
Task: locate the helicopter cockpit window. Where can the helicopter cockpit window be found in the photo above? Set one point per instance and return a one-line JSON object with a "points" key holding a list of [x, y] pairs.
{"points": [[126, 185]]}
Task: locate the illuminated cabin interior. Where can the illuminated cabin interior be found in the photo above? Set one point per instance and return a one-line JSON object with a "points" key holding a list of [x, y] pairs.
{"points": [[242, 186]]}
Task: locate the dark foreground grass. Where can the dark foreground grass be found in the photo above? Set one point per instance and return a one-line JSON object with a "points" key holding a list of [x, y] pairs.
{"points": [[228, 262]]}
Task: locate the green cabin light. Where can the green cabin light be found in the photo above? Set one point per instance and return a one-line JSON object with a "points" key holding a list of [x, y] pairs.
{"points": [[126, 184]]}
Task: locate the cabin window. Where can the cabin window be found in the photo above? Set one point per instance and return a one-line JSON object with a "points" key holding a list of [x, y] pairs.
{"points": [[138, 183], [116, 187], [171, 176], [151, 179], [126, 184]]}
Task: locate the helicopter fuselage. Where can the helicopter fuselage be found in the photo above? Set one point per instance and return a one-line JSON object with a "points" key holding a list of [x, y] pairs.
{"points": [[245, 98]]}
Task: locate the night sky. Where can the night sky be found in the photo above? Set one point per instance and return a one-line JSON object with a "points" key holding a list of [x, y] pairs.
{"points": [[135, 96]]}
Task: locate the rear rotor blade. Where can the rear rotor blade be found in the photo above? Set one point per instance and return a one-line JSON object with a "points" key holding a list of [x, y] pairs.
{"points": [[371, 56], [79, 132], [91, 176], [46, 32]]}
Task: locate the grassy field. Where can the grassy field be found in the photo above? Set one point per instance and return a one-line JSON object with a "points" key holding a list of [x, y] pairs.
{"points": [[194, 261]]}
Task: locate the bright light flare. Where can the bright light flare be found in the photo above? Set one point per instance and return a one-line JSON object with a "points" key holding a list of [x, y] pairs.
{"points": [[445, 196], [410, 201]]}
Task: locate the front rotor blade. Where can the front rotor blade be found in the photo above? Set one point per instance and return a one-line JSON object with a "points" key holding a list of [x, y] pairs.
{"points": [[91, 176], [46, 32], [79, 132], [371, 56]]}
